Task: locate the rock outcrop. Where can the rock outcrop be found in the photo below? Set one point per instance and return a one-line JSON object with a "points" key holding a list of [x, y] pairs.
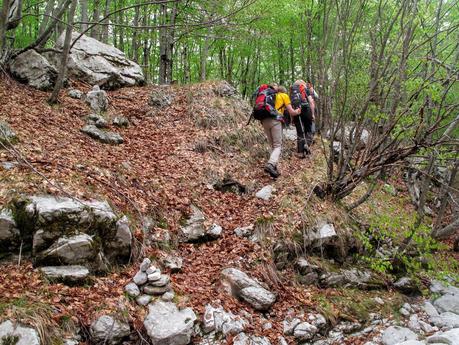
{"points": [[21, 334], [194, 229], [9, 233], [167, 325], [97, 100], [66, 274], [65, 232], [109, 330], [98, 63], [6, 133], [33, 69], [105, 137], [248, 289]]}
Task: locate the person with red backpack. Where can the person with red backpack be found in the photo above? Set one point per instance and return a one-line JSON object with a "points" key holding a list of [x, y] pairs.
{"points": [[302, 100], [270, 103]]}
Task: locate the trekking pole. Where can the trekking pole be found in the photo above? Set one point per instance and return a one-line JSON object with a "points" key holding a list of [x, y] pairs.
{"points": [[305, 146]]}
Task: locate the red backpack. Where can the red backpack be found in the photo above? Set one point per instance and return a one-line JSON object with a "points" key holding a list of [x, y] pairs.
{"points": [[265, 98]]}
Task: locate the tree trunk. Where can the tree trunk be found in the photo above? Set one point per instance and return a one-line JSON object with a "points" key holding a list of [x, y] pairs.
{"points": [[84, 14], [95, 18], [163, 45], [292, 61], [105, 26], [65, 54], [14, 14], [170, 42], [46, 17], [135, 44], [204, 56], [3, 24], [186, 66]]}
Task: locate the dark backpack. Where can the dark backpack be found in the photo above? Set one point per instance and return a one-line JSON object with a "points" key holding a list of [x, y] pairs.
{"points": [[299, 96], [265, 98]]}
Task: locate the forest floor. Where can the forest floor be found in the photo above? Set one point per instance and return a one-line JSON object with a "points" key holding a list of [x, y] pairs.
{"points": [[169, 160]]}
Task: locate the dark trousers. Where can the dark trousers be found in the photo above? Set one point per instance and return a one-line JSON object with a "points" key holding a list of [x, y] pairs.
{"points": [[303, 125]]}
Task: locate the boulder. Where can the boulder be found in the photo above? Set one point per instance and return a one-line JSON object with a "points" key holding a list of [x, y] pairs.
{"points": [[168, 296], [118, 247], [22, 334], [244, 339], [145, 265], [248, 289], [6, 133], [167, 325], [430, 309], [120, 121], [33, 69], [173, 263], [155, 276], [323, 234], [450, 337], [258, 297], [97, 100], [245, 231], [265, 193], [446, 320], [67, 231], [161, 97], [72, 250], [214, 231], [109, 330], [155, 290], [193, 229], [229, 185], [143, 300], [67, 274], [447, 303], [104, 137], [289, 325], [97, 63], [351, 136], [225, 89], [140, 278], [76, 94], [304, 332], [303, 266], [439, 287], [351, 278], [9, 234], [395, 334], [406, 285], [132, 289], [219, 321], [162, 281]]}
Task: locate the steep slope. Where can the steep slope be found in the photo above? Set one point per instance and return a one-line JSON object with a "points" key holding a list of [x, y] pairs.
{"points": [[171, 158]]}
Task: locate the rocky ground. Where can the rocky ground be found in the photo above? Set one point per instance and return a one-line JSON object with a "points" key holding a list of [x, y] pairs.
{"points": [[233, 256]]}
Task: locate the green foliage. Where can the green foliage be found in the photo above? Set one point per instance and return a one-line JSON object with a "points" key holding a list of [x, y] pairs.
{"points": [[384, 238]]}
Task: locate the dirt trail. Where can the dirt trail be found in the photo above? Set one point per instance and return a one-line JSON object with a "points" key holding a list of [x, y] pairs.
{"points": [[156, 171]]}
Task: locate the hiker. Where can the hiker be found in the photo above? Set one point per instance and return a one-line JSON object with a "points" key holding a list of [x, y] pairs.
{"points": [[270, 104], [315, 97], [302, 100]]}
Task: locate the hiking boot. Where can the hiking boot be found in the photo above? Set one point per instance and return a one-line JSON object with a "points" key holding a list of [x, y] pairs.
{"points": [[272, 170], [300, 155]]}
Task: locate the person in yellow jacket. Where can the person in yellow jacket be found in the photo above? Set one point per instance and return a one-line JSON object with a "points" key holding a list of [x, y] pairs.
{"points": [[273, 129]]}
